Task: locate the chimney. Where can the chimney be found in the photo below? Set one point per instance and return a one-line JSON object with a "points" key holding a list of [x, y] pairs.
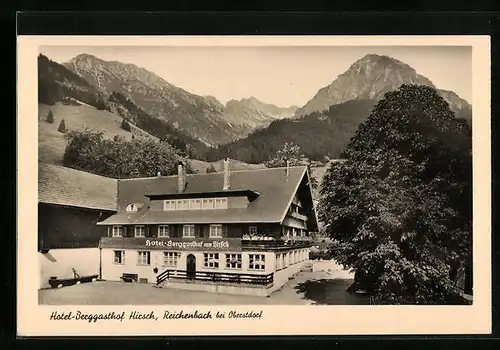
{"points": [[227, 182], [181, 178]]}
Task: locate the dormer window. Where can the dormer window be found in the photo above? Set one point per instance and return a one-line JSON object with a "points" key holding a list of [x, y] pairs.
{"points": [[195, 204], [221, 203], [133, 207], [208, 203]]}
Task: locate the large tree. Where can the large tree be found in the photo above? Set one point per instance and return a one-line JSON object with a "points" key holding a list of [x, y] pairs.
{"points": [[400, 207]]}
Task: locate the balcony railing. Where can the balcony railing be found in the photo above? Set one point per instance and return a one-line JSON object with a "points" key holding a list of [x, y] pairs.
{"points": [[222, 277], [277, 243], [296, 215]]}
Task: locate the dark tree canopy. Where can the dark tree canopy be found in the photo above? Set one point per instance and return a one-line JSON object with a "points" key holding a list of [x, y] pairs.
{"points": [[125, 125], [400, 207], [89, 151]]}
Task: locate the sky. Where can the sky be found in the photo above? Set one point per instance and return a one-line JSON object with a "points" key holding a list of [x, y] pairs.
{"points": [[283, 76]]}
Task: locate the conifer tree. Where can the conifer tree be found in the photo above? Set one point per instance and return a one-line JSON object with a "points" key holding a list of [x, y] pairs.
{"points": [[50, 117], [62, 126]]}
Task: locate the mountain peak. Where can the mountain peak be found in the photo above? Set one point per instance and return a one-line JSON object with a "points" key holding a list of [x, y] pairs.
{"points": [[368, 78], [85, 56]]}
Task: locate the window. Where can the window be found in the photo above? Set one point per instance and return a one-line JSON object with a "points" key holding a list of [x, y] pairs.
{"points": [[195, 204], [119, 257], [188, 231], [221, 203], [252, 230], [211, 260], [233, 261], [163, 231], [257, 262], [289, 259], [139, 231], [117, 231], [278, 261], [215, 231], [294, 232], [170, 259], [143, 258], [169, 205], [208, 204], [183, 204]]}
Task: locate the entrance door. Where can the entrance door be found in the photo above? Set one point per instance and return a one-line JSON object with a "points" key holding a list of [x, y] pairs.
{"points": [[191, 266]]}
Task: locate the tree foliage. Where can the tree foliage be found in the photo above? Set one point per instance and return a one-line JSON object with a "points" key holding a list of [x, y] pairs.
{"points": [[400, 207], [62, 126], [211, 169], [50, 117], [89, 151], [125, 125]]}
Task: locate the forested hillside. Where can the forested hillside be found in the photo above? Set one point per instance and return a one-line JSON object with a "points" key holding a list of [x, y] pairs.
{"points": [[319, 134]]}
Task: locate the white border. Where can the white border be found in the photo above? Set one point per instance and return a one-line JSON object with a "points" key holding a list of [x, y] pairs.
{"points": [[277, 320]]}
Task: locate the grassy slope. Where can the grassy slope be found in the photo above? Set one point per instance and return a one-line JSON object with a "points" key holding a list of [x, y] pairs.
{"points": [[51, 143]]}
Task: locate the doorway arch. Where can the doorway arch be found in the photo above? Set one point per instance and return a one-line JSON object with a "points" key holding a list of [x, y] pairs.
{"points": [[190, 266]]}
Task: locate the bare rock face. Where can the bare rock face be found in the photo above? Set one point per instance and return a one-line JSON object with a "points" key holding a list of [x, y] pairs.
{"points": [[369, 78], [255, 113]]}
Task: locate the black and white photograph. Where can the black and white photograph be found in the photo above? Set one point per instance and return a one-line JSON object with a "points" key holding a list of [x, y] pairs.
{"points": [[247, 175]]}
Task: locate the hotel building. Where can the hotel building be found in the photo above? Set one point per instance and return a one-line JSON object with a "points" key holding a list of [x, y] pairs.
{"points": [[238, 232]]}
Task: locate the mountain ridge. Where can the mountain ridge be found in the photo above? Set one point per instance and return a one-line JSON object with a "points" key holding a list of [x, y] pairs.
{"points": [[204, 117], [370, 77]]}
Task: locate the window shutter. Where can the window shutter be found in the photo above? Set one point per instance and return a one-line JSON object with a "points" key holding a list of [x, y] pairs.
{"points": [[224, 231]]}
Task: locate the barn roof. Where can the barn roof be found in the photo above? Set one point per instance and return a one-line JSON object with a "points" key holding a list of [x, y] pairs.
{"points": [[65, 186]]}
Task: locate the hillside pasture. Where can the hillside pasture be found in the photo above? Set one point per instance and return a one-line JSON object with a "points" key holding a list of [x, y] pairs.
{"points": [[51, 143]]}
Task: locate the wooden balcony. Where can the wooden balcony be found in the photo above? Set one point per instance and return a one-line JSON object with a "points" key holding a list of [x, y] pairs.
{"points": [[219, 277], [298, 216]]}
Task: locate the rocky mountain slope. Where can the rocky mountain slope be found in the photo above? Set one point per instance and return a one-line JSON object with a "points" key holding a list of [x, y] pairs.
{"points": [[369, 78], [204, 118], [251, 111]]}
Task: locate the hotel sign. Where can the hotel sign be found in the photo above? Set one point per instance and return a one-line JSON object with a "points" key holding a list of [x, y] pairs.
{"points": [[150, 243], [190, 245]]}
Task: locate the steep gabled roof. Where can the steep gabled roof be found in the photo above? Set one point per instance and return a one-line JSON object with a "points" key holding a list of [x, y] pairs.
{"points": [[275, 191], [65, 186]]}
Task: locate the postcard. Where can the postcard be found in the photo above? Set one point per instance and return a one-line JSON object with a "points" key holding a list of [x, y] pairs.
{"points": [[253, 185]]}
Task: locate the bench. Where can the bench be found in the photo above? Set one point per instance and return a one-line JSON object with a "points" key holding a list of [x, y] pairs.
{"points": [[129, 277]]}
